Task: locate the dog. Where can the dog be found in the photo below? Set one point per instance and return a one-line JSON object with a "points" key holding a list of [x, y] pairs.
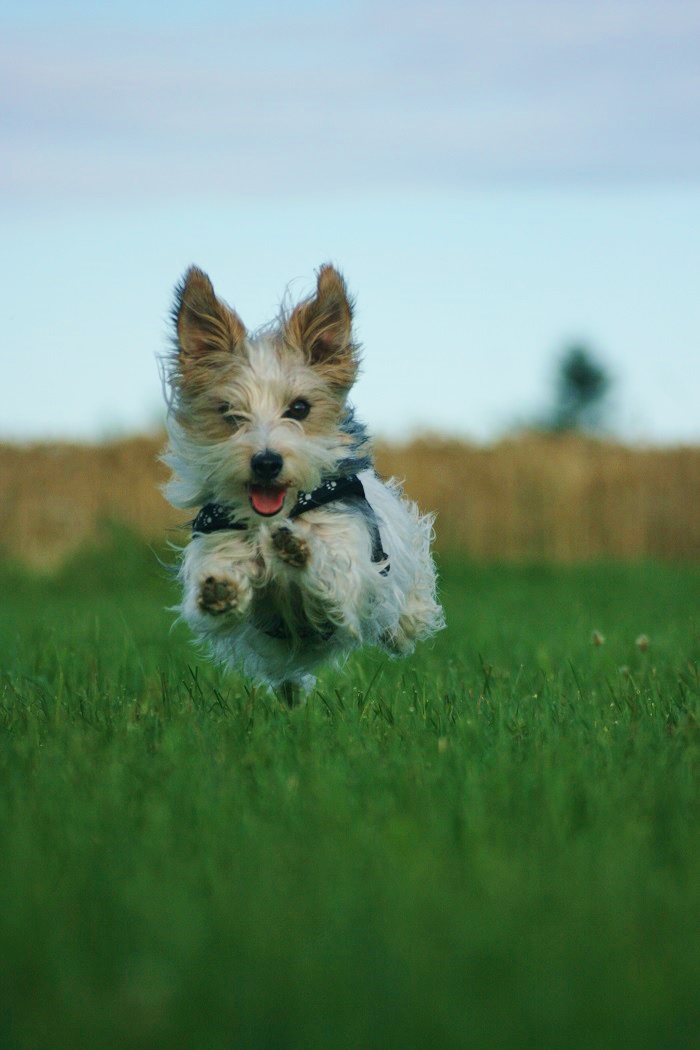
{"points": [[299, 552]]}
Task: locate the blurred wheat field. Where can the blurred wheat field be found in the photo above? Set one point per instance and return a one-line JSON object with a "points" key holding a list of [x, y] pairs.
{"points": [[560, 498], [534, 497], [56, 497]]}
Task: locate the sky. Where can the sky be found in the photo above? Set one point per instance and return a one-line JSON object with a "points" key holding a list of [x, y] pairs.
{"points": [[496, 182]]}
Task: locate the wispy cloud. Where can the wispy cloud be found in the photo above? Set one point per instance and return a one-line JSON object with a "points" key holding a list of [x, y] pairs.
{"points": [[382, 94]]}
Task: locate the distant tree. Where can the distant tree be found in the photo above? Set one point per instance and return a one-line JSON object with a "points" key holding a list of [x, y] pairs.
{"points": [[581, 389]]}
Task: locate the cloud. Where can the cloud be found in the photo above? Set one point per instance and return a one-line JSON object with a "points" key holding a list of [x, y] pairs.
{"points": [[351, 97]]}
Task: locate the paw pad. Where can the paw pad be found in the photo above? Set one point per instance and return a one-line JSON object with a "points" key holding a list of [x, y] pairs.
{"points": [[290, 548], [218, 596]]}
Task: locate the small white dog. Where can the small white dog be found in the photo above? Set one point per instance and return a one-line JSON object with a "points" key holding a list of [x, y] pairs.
{"points": [[299, 553]]}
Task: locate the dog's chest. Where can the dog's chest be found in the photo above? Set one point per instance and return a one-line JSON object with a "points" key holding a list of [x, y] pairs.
{"points": [[287, 612]]}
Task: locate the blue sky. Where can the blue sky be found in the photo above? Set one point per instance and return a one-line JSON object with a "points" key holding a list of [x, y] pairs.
{"points": [[495, 181]]}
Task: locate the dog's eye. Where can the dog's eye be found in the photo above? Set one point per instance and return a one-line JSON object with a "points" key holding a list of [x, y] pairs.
{"points": [[230, 416], [298, 409]]}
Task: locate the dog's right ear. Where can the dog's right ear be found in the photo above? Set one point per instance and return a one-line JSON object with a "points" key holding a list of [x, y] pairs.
{"points": [[204, 324]]}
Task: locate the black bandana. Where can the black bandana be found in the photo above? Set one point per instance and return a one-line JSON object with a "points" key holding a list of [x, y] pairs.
{"points": [[215, 517]]}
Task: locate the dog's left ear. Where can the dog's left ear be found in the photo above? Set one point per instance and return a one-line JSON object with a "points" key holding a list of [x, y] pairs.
{"points": [[204, 324], [321, 327]]}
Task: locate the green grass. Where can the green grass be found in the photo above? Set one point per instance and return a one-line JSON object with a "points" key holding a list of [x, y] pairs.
{"points": [[493, 844]]}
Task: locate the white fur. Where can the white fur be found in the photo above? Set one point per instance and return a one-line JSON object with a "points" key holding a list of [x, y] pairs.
{"points": [[340, 585], [202, 471]]}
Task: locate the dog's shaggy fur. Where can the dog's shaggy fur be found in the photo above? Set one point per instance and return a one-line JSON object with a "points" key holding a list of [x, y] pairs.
{"points": [[276, 579]]}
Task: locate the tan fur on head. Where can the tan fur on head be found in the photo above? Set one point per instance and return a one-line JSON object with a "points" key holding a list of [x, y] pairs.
{"points": [[233, 394], [321, 328], [206, 326], [212, 344]]}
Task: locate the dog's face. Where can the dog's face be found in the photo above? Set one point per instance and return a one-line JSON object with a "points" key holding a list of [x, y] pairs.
{"points": [[256, 419]]}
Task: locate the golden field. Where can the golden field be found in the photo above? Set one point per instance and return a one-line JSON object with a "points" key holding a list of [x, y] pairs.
{"points": [[534, 497]]}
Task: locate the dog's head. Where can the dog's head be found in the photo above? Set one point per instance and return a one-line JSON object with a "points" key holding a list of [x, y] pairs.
{"points": [[256, 418]]}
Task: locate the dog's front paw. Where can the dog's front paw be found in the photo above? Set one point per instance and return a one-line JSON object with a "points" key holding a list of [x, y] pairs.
{"points": [[224, 595], [292, 549]]}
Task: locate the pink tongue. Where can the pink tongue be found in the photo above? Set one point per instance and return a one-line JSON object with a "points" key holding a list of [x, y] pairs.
{"points": [[266, 501]]}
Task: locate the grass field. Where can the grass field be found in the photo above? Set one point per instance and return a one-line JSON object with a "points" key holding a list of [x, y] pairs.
{"points": [[493, 844]]}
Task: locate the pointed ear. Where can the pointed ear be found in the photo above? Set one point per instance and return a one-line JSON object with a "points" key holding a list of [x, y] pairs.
{"points": [[321, 327], [203, 323]]}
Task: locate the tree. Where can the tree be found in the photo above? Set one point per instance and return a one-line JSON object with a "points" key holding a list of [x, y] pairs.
{"points": [[581, 389]]}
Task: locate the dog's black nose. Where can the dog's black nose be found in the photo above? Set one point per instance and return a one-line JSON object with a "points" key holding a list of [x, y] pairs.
{"points": [[266, 465]]}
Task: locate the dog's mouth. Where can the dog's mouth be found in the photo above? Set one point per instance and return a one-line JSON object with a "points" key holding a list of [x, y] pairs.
{"points": [[266, 500]]}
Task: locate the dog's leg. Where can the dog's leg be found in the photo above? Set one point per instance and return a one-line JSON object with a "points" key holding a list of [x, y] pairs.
{"points": [[291, 694], [328, 559], [218, 575], [420, 617]]}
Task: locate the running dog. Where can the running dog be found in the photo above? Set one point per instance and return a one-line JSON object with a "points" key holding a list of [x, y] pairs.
{"points": [[299, 552]]}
